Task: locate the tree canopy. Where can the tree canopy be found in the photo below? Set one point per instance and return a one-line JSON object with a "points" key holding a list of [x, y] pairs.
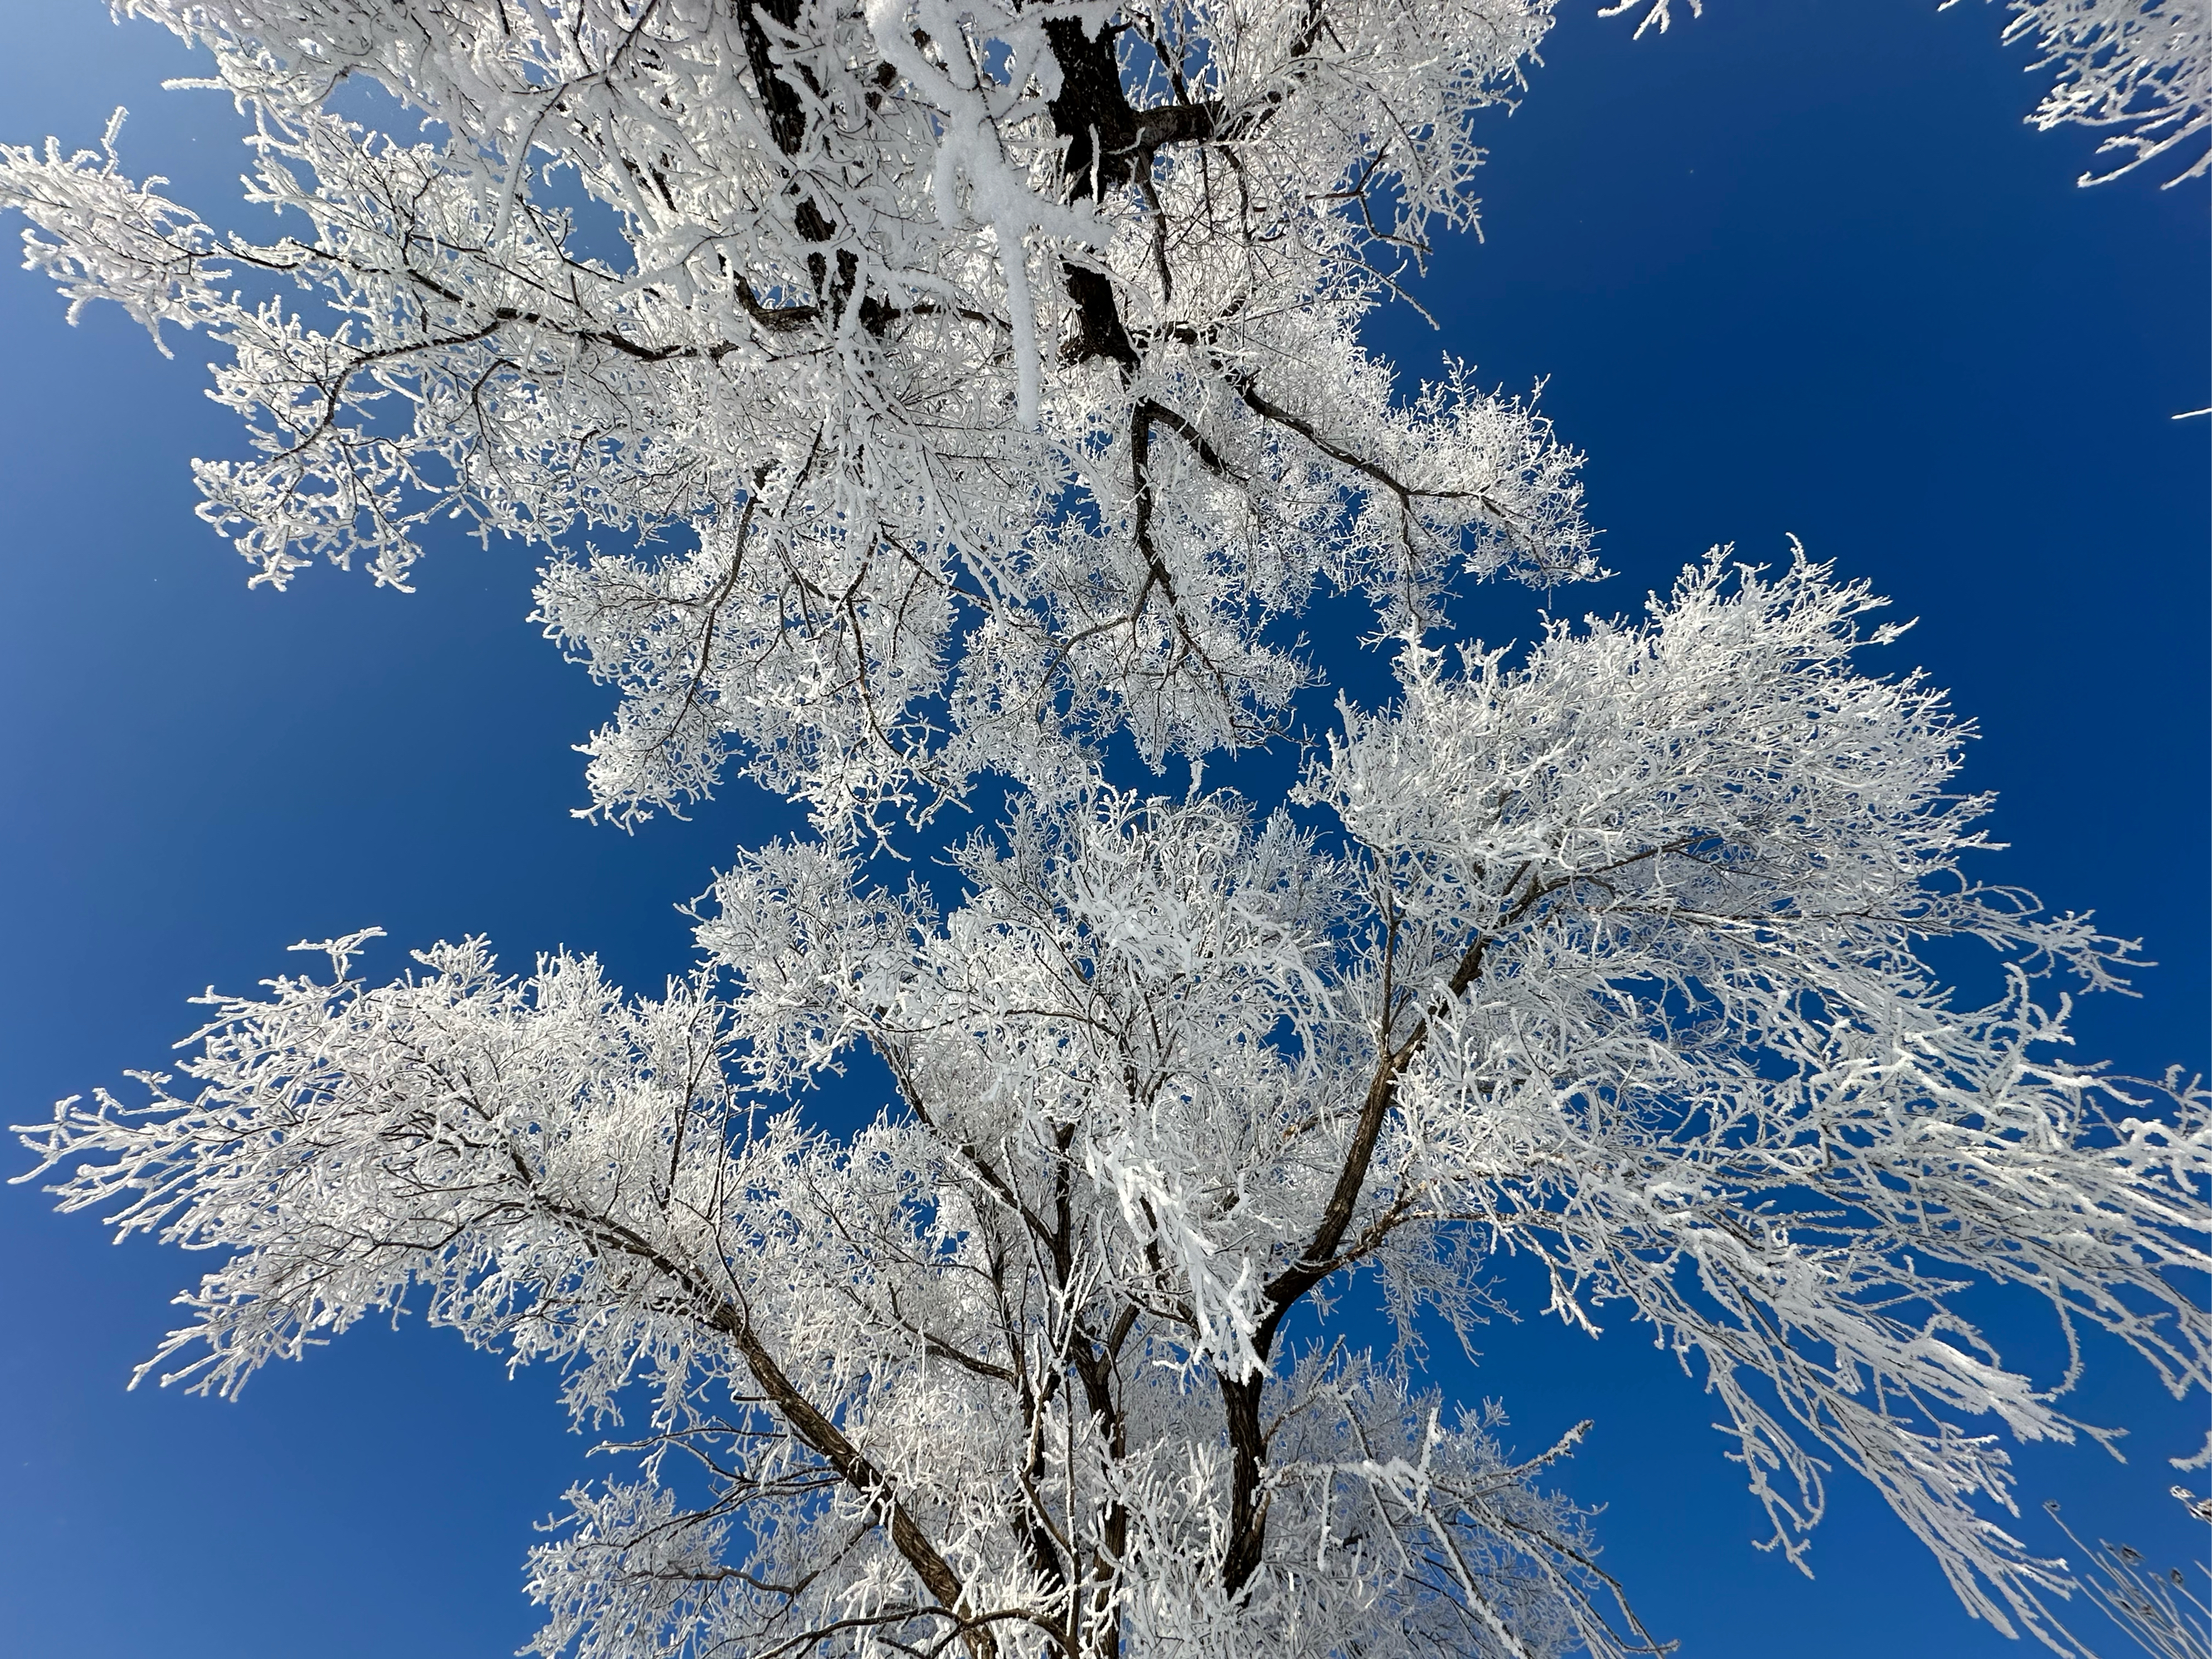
{"points": [[984, 392]]}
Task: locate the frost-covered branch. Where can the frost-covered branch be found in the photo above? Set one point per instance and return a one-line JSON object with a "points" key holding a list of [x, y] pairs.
{"points": [[2139, 71]]}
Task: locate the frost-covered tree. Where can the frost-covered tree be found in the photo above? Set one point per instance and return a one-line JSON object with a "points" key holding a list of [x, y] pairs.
{"points": [[1605, 958], [980, 387]]}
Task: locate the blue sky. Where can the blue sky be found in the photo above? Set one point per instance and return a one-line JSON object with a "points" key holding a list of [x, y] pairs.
{"points": [[1793, 268]]}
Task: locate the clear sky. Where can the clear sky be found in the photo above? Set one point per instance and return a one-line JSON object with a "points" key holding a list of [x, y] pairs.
{"points": [[1793, 268]]}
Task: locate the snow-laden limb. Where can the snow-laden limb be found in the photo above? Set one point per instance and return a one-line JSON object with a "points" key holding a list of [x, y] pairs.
{"points": [[105, 237], [1605, 957], [2139, 70], [969, 377], [1655, 13]]}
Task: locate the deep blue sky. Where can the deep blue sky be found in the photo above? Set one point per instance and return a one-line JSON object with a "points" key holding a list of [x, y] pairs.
{"points": [[1795, 268]]}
